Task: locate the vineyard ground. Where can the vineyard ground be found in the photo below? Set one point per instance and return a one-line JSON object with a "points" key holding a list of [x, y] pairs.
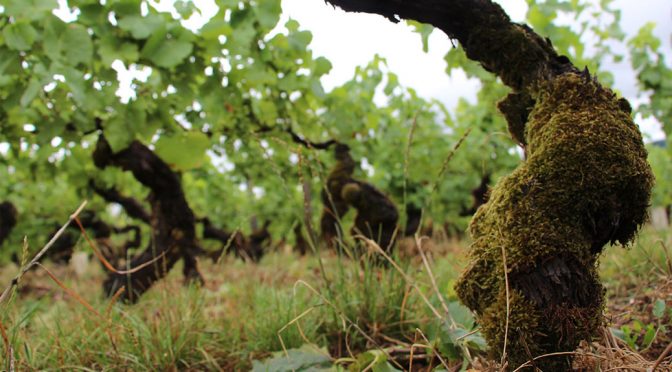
{"points": [[249, 312]]}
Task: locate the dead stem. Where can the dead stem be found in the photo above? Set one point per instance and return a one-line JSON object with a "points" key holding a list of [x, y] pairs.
{"points": [[41, 253]]}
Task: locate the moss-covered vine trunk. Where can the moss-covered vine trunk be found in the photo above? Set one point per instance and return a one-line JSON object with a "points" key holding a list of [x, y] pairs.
{"points": [[585, 182], [172, 220]]}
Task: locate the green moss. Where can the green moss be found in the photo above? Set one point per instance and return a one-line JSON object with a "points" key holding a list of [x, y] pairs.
{"points": [[586, 182], [351, 192], [518, 57]]}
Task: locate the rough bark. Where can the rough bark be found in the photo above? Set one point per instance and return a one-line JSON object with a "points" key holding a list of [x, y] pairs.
{"points": [[172, 220], [134, 208], [257, 242], [301, 245], [511, 51], [377, 215], [479, 196], [413, 219], [8, 219], [585, 182], [64, 247], [335, 207], [230, 242]]}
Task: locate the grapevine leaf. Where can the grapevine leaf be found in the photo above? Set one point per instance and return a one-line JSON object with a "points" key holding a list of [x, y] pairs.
{"points": [[268, 12], [183, 151], [425, 31], [31, 91], [77, 45], [305, 358], [30, 9], [111, 49], [141, 27], [185, 8], [322, 66], [20, 35], [215, 28], [659, 308], [169, 53]]}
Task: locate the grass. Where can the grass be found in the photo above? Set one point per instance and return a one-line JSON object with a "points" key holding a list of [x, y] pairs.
{"points": [[248, 312]]}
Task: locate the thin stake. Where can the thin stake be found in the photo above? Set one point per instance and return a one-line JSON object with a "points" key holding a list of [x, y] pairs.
{"points": [[407, 156]]}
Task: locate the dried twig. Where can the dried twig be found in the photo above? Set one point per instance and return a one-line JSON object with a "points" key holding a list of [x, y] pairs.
{"points": [[662, 356], [41, 253], [5, 339], [105, 262], [345, 320]]}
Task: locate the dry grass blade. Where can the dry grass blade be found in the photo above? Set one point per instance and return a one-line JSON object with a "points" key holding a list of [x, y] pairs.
{"points": [[113, 301], [12, 361], [662, 356], [508, 306], [444, 167], [227, 246], [432, 279], [5, 339], [41, 253], [446, 161], [293, 321], [435, 286], [347, 321], [84, 303], [106, 263], [409, 280], [69, 291], [668, 259], [529, 362], [307, 197], [606, 355], [438, 355], [314, 237]]}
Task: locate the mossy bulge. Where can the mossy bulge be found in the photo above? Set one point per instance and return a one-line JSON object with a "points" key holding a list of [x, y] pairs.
{"points": [[586, 182]]}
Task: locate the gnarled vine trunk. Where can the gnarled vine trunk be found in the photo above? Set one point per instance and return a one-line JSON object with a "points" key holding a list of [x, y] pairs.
{"points": [[172, 221], [132, 207], [8, 216], [585, 182]]}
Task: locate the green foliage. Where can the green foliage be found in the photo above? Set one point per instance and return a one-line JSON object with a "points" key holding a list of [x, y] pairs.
{"points": [[638, 335], [659, 158], [594, 26], [201, 84], [305, 358], [275, 321], [654, 76], [362, 299], [216, 104], [211, 328], [453, 339], [372, 360], [183, 151], [424, 30], [243, 92]]}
